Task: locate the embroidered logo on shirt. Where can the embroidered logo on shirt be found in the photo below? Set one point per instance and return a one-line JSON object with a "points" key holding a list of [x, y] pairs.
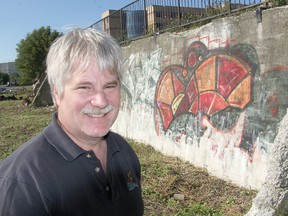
{"points": [[131, 184]]}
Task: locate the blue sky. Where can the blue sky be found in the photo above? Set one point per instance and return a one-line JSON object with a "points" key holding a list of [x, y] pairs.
{"points": [[20, 17]]}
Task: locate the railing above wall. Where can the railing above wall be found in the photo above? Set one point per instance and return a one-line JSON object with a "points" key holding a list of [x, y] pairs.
{"points": [[148, 17]]}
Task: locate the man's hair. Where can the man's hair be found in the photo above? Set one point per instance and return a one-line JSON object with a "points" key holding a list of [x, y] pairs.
{"points": [[76, 50]]}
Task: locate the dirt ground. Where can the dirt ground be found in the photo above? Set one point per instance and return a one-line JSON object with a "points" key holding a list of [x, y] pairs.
{"points": [[166, 178]]}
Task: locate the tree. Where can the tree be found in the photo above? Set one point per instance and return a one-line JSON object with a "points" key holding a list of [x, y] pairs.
{"points": [[4, 78], [31, 54]]}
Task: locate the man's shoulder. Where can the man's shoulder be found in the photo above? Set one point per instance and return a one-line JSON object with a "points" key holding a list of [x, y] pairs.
{"points": [[25, 156], [27, 148]]}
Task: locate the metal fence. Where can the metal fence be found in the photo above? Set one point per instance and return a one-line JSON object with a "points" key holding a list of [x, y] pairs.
{"points": [[148, 17]]}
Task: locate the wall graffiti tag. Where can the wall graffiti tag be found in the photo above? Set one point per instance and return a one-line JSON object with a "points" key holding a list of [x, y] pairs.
{"points": [[223, 93], [142, 71]]}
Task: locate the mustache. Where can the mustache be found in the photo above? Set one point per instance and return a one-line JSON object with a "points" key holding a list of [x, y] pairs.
{"points": [[96, 111]]}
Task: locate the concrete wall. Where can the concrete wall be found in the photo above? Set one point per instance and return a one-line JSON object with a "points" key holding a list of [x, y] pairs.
{"points": [[213, 96]]}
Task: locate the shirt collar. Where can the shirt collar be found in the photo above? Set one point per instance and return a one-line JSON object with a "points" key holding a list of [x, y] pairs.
{"points": [[66, 146]]}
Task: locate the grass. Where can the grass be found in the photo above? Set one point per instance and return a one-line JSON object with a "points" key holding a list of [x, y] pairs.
{"points": [[170, 186], [164, 177]]}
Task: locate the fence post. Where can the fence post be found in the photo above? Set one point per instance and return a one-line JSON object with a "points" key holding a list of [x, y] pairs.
{"points": [[179, 13], [104, 25], [121, 27], [145, 18]]}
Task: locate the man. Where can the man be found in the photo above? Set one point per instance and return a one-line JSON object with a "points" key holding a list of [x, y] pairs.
{"points": [[76, 166]]}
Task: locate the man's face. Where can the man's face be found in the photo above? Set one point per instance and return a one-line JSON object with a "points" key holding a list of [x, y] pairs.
{"points": [[85, 95]]}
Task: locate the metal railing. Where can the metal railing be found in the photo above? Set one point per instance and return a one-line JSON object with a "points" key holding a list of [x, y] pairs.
{"points": [[148, 17]]}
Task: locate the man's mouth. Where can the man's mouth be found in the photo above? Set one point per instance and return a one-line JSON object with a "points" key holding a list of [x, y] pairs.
{"points": [[96, 112]]}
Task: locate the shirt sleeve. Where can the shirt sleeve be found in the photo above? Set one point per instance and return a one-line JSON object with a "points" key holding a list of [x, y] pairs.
{"points": [[18, 199]]}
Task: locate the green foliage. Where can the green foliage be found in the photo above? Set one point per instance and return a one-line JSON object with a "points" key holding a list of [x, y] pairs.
{"points": [[32, 53], [4, 78], [198, 209], [283, 208], [14, 77], [278, 3]]}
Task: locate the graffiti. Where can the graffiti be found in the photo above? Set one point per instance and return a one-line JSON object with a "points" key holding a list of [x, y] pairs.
{"points": [[142, 72], [221, 94]]}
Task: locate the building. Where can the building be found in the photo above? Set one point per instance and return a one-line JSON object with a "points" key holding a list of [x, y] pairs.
{"points": [[113, 22], [9, 68], [159, 16], [135, 23]]}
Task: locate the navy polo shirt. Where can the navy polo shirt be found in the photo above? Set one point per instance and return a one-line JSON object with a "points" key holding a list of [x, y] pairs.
{"points": [[51, 175]]}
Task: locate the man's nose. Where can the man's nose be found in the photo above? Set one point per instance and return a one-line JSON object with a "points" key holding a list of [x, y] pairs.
{"points": [[99, 99]]}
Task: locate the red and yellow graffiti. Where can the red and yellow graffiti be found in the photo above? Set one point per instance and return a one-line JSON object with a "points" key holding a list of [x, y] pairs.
{"points": [[220, 81]]}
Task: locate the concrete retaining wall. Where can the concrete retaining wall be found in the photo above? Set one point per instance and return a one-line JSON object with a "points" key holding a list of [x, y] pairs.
{"points": [[213, 96]]}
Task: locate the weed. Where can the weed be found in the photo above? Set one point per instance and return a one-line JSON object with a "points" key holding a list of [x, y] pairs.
{"points": [[198, 210]]}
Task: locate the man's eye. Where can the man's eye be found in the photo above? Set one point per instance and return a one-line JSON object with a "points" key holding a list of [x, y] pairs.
{"points": [[83, 87], [111, 86]]}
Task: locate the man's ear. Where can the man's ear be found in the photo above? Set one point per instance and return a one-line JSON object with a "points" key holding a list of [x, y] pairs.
{"points": [[56, 96]]}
